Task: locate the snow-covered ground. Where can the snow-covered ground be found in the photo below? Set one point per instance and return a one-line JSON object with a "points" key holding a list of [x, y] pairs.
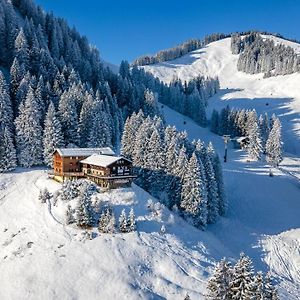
{"points": [[41, 258], [44, 259]]}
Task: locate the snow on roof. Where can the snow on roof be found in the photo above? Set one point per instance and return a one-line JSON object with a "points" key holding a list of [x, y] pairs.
{"points": [[102, 160], [84, 151]]}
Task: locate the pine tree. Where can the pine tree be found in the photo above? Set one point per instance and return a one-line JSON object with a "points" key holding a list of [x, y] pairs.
{"points": [[107, 221], [44, 195], [264, 129], [21, 49], [100, 132], [86, 120], [218, 284], [53, 137], [274, 144], [123, 222], [70, 219], [222, 205], [270, 291], [254, 147], [242, 279], [84, 214], [259, 286], [68, 118], [29, 133], [6, 112], [194, 194], [8, 158], [131, 223], [154, 161], [7, 148]]}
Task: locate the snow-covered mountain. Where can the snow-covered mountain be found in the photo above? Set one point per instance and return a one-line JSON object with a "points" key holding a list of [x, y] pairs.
{"points": [[279, 95], [43, 258]]}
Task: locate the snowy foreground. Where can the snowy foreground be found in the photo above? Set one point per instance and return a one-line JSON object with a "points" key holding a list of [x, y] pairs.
{"points": [[44, 259]]}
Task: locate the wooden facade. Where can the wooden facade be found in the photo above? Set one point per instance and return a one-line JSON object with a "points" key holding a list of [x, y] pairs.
{"points": [[117, 174], [107, 171]]}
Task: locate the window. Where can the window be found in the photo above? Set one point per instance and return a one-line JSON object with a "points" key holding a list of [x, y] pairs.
{"points": [[71, 157]]}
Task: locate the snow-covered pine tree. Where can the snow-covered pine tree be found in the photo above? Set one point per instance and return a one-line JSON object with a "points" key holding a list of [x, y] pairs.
{"points": [[84, 212], [259, 286], [100, 131], [44, 195], [17, 73], [264, 130], [102, 222], [180, 167], [53, 137], [68, 118], [70, 219], [123, 222], [150, 104], [21, 48], [86, 120], [254, 147], [241, 284], [29, 133], [274, 144], [270, 291], [194, 194], [219, 179], [128, 137], [7, 149], [154, 162], [6, 112], [218, 284], [8, 158], [107, 221], [131, 223]]}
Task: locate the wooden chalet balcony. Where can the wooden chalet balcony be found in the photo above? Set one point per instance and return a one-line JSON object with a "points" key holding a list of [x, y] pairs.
{"points": [[112, 176]]}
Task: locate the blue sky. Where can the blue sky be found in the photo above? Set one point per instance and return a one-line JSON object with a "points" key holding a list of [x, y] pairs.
{"points": [[128, 29]]}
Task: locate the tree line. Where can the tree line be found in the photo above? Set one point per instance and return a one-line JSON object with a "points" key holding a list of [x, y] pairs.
{"points": [[263, 55], [240, 282], [178, 51], [263, 133], [185, 176]]}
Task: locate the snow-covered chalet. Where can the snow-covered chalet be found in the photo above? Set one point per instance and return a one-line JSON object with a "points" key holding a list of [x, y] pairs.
{"points": [[99, 165]]}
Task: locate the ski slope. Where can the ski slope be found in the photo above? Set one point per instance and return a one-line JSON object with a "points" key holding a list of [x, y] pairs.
{"points": [[279, 95]]}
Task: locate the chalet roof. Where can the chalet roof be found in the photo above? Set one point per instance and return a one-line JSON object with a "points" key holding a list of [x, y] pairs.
{"points": [[84, 151], [102, 160]]}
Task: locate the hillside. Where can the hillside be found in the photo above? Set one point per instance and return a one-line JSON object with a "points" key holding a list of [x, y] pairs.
{"points": [[147, 264], [55, 91], [279, 95]]}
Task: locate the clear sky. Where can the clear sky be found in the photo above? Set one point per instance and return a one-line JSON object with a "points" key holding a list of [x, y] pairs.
{"points": [[129, 28]]}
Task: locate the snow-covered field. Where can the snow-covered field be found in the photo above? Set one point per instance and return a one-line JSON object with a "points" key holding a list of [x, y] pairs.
{"points": [[41, 258]]}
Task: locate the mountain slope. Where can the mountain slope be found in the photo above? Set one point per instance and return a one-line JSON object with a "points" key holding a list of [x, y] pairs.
{"points": [[279, 95], [147, 264]]}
